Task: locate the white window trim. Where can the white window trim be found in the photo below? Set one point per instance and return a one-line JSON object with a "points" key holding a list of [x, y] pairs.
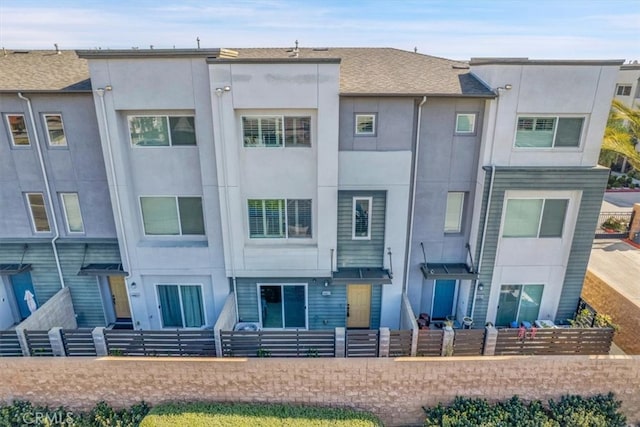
{"points": [[286, 221], [180, 235], [306, 305], [557, 117], [33, 220], [64, 210], [544, 199], [281, 118], [622, 86], [473, 124], [159, 310], [374, 124], [353, 218], [13, 142], [460, 213], [64, 131], [167, 116], [522, 285]]}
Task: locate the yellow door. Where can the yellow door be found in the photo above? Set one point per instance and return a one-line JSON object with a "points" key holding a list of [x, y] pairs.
{"points": [[358, 306], [119, 297]]}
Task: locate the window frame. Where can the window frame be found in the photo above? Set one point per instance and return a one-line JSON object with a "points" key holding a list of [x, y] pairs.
{"points": [[522, 291], [540, 219], [179, 285], [45, 117], [374, 124], [285, 215], [168, 122], [177, 206], [353, 217], [460, 213], [282, 129], [282, 285], [66, 216], [11, 134], [30, 208], [623, 87], [473, 124], [556, 120]]}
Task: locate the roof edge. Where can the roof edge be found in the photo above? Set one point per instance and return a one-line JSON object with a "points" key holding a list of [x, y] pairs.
{"points": [[150, 53], [527, 61], [46, 91], [291, 60], [418, 95]]}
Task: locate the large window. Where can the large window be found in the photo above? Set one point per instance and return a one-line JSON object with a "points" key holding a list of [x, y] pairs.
{"points": [[55, 130], [38, 210], [546, 132], [181, 306], [365, 124], [72, 214], [361, 220], [519, 303], [164, 216], [283, 306], [453, 214], [276, 131], [535, 217], [279, 218], [18, 130], [162, 131]]}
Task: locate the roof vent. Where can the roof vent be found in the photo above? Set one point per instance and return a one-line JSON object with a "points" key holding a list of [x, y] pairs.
{"points": [[58, 51], [20, 51], [320, 49]]}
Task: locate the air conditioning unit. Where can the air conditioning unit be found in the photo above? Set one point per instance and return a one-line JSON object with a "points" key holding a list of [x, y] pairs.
{"points": [[247, 326]]}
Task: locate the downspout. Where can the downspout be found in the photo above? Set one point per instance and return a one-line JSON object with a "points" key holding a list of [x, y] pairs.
{"points": [[56, 233], [219, 92], [413, 196], [486, 214], [116, 192]]}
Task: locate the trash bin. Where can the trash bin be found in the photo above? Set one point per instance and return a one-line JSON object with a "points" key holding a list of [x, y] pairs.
{"points": [[636, 238]]}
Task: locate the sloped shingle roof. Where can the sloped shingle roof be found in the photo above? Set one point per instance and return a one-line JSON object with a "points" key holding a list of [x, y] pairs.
{"points": [[43, 70]]}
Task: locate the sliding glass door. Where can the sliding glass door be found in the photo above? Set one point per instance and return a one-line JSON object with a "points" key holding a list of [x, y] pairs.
{"points": [[283, 306], [519, 303]]}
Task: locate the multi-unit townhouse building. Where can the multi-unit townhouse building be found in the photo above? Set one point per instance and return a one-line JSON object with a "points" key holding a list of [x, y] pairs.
{"points": [[628, 84], [321, 186]]}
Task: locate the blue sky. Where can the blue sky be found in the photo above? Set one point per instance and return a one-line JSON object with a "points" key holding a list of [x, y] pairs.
{"points": [[459, 29]]}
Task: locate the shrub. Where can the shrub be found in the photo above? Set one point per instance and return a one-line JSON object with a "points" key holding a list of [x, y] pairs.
{"points": [[250, 415], [570, 411], [616, 224]]}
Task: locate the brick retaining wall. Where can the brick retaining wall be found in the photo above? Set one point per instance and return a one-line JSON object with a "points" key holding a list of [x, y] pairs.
{"points": [[606, 300], [394, 389]]}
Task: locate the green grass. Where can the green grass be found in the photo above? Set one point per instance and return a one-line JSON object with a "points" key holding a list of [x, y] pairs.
{"points": [[254, 415]]}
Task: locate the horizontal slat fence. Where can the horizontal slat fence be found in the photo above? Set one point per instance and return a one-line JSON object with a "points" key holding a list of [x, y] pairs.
{"points": [[296, 343], [362, 343], [78, 342], [160, 343], [429, 343], [38, 343], [468, 342], [9, 344], [554, 341], [400, 343]]}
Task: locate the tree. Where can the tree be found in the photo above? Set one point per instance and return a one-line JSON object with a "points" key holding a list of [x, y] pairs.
{"points": [[622, 134]]}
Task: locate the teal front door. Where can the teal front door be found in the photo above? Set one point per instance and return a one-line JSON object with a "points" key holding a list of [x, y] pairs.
{"points": [[21, 283], [443, 297]]}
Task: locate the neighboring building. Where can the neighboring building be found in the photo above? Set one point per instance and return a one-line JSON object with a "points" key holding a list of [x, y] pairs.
{"points": [[323, 184], [56, 226], [628, 84]]}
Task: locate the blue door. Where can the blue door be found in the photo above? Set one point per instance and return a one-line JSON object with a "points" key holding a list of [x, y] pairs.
{"points": [[21, 283], [443, 295]]}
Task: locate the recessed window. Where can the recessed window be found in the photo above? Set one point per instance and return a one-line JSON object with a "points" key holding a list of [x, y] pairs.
{"points": [[181, 306], [55, 130], [546, 132], [623, 90], [535, 217], [465, 123], [171, 216], [361, 221], [365, 124], [72, 214], [18, 130], [279, 218], [276, 131], [453, 215], [38, 210], [162, 131]]}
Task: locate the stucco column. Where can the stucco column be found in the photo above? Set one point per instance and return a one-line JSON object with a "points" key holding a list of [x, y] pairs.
{"points": [[490, 340], [384, 342], [341, 342], [634, 227], [55, 338], [99, 341]]}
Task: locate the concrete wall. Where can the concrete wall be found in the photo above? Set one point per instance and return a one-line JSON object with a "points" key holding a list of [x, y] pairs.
{"points": [[57, 311], [394, 389], [624, 313]]}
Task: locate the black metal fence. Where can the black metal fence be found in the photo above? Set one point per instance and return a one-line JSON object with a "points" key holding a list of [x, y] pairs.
{"points": [[613, 225]]}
